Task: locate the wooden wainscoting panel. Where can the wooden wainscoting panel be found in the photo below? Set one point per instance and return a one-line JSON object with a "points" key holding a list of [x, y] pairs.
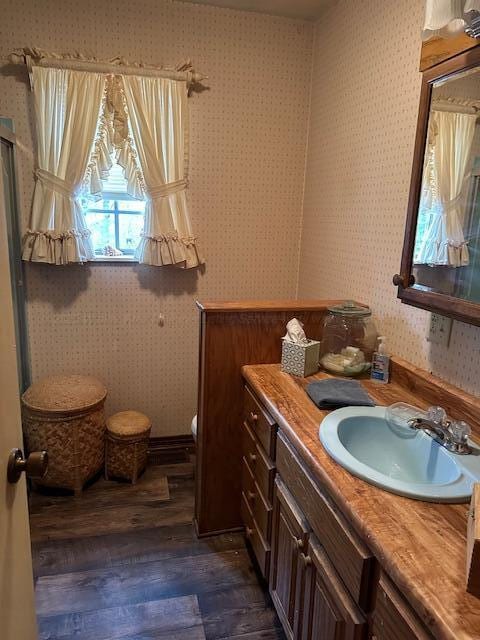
{"points": [[233, 334]]}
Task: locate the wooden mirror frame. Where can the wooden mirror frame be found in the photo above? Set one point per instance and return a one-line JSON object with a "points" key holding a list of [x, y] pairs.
{"points": [[441, 303]]}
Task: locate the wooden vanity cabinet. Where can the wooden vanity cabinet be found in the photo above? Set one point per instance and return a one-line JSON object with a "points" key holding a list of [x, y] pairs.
{"points": [[261, 424], [308, 594], [289, 540], [393, 618], [258, 472], [322, 578], [352, 560], [329, 612]]}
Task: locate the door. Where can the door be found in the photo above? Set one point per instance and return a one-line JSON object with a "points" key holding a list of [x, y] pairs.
{"points": [[17, 608], [329, 612], [393, 618], [289, 538]]}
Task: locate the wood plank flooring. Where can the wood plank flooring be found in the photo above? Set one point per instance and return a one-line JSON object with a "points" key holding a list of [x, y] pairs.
{"points": [[123, 561]]}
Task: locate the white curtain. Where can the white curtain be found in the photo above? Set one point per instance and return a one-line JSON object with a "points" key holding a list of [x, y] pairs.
{"points": [[158, 119], [67, 109], [443, 241], [447, 18]]}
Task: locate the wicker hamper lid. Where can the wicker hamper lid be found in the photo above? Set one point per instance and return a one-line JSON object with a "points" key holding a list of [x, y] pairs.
{"points": [[64, 394], [128, 423]]}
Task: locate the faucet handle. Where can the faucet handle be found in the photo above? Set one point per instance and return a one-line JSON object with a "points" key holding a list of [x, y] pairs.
{"points": [[437, 415], [459, 431]]}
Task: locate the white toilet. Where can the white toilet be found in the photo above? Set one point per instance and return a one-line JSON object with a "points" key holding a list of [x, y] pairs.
{"points": [[194, 428]]}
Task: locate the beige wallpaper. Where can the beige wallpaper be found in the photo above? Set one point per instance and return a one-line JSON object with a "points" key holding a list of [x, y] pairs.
{"points": [[248, 136], [365, 91], [249, 131]]}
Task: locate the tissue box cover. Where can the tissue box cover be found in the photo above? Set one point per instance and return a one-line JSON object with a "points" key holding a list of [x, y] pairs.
{"points": [[300, 360]]}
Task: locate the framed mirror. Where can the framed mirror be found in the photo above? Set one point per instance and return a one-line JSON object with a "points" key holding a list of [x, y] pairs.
{"points": [[440, 268]]}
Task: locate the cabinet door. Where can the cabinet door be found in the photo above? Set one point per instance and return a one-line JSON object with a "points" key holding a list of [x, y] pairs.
{"points": [[393, 618], [289, 538], [329, 612]]}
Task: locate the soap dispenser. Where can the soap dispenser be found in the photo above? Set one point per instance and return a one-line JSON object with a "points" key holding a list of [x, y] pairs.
{"points": [[380, 362]]}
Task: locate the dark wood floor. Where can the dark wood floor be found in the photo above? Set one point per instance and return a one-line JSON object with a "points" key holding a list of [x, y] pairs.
{"points": [[123, 561]]}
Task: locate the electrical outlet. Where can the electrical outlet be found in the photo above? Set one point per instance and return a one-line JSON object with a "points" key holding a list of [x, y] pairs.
{"points": [[439, 330]]}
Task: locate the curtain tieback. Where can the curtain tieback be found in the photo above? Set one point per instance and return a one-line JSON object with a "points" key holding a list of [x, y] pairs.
{"points": [[164, 190], [54, 183]]}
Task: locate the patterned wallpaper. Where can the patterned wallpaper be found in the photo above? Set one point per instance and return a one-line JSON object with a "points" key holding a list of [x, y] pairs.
{"points": [[365, 92], [248, 136], [249, 131]]}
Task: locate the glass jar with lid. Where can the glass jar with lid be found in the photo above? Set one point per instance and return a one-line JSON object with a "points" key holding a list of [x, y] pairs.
{"points": [[349, 339]]}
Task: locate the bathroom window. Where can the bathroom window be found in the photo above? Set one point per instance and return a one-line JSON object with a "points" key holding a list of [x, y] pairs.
{"points": [[142, 121], [116, 221]]}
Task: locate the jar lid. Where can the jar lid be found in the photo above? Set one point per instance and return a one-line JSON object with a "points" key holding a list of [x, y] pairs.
{"points": [[349, 308]]}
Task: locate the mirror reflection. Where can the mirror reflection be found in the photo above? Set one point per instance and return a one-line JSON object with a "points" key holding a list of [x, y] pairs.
{"points": [[446, 256]]}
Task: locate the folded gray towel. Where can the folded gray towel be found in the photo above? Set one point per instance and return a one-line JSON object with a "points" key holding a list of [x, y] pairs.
{"points": [[335, 392]]}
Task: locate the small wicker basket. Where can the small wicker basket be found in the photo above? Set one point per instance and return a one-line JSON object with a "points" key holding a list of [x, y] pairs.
{"points": [[126, 447]]}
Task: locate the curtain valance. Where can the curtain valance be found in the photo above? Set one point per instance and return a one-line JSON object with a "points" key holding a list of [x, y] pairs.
{"points": [[84, 117], [80, 62]]}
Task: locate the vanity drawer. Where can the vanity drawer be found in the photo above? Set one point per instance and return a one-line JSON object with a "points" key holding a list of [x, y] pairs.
{"points": [[261, 509], [260, 548], [260, 423], [350, 557], [262, 468], [394, 619]]}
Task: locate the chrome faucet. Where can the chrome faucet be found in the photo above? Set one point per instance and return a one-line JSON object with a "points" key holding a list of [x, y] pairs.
{"points": [[451, 434]]}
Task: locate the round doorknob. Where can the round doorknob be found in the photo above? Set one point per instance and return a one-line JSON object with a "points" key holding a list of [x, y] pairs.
{"points": [[35, 465]]}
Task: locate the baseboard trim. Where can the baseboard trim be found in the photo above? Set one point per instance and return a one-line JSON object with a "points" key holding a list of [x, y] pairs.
{"points": [[215, 532], [171, 449]]}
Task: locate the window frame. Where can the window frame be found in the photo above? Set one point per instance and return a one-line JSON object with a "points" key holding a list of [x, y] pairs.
{"points": [[115, 197]]}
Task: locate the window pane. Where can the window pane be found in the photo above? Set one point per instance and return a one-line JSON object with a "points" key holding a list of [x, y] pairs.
{"points": [[102, 204], [137, 206], [102, 226], [130, 228]]}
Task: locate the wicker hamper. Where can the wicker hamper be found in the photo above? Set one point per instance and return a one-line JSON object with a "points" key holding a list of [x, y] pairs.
{"points": [[64, 415], [127, 445]]}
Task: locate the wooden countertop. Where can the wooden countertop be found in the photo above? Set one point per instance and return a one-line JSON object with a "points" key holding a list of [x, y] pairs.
{"points": [[421, 545]]}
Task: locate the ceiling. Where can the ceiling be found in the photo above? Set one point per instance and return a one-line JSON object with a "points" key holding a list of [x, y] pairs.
{"points": [[306, 9]]}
